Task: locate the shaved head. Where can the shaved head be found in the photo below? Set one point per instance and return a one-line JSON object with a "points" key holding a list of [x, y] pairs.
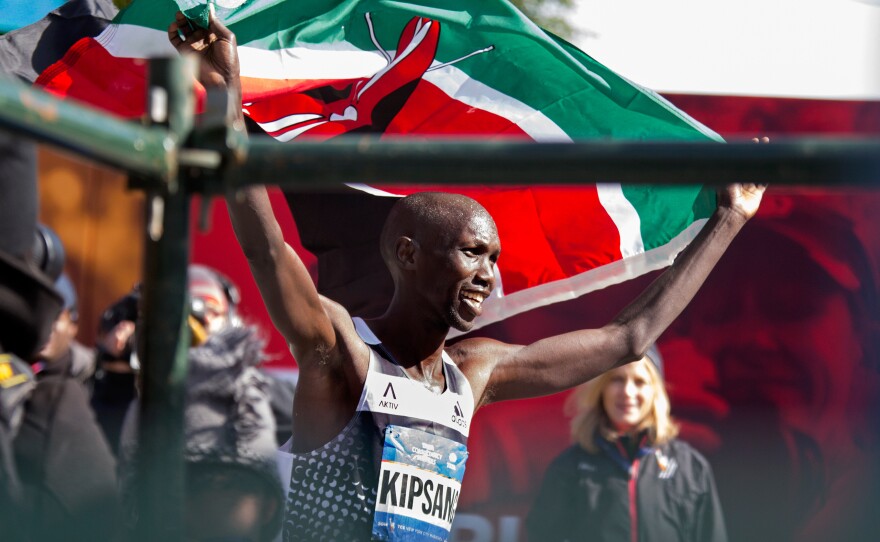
{"points": [[428, 217]]}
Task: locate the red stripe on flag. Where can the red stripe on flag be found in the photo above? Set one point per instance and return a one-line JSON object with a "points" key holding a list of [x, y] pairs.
{"points": [[568, 212], [89, 73], [268, 109], [257, 88], [543, 234], [430, 111]]}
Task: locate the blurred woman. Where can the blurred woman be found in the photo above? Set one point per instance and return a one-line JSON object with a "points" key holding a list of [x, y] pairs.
{"points": [[627, 477]]}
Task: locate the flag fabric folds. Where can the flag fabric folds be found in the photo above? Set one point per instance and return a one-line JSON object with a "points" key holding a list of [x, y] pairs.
{"points": [[323, 68], [27, 51]]}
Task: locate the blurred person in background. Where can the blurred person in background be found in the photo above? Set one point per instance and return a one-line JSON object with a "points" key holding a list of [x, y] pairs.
{"points": [[62, 347], [66, 468], [232, 489], [791, 372], [117, 365], [627, 477], [214, 301], [28, 306]]}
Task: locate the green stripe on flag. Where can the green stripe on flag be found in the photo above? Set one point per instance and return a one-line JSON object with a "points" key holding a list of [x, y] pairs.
{"points": [[156, 14], [664, 212]]}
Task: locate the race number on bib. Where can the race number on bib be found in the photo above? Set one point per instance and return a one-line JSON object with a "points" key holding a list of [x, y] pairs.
{"points": [[419, 482]]}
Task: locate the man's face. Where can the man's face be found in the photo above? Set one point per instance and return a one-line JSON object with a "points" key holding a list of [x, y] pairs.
{"points": [[457, 272], [781, 334], [63, 332]]}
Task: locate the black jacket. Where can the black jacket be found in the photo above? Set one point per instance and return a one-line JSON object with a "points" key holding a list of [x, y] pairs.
{"points": [[65, 465], [588, 496]]}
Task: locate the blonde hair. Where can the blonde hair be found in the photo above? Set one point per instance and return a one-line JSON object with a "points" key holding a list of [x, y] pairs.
{"points": [[589, 418]]}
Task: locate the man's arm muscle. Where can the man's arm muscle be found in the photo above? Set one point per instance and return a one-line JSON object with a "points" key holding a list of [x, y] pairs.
{"points": [[284, 282]]}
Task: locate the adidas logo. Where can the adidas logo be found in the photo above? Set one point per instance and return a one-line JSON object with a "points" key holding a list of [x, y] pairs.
{"points": [[458, 416]]}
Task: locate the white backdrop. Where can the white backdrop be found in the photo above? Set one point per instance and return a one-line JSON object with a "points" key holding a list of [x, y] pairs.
{"points": [[785, 48]]}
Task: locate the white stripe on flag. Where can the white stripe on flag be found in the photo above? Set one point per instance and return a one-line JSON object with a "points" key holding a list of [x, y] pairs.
{"points": [[287, 136], [289, 120], [373, 191], [625, 217], [467, 90], [340, 60], [132, 41]]}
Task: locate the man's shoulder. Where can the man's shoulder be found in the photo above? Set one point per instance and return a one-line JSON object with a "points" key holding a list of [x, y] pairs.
{"points": [[334, 310], [349, 352], [343, 325]]}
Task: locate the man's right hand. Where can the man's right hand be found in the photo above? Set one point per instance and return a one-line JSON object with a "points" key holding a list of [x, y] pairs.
{"points": [[216, 47], [744, 198]]}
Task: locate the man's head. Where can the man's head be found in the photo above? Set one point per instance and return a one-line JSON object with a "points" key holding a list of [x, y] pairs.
{"points": [[441, 250]]}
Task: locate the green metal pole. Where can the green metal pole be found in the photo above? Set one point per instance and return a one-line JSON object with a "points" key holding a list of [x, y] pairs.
{"points": [[87, 131], [356, 159], [163, 348], [164, 334], [152, 151]]}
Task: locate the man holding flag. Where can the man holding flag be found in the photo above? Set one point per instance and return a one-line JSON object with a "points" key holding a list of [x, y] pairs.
{"points": [[384, 406]]}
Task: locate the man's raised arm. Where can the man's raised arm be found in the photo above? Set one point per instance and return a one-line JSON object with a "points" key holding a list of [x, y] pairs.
{"points": [[563, 361], [284, 282]]}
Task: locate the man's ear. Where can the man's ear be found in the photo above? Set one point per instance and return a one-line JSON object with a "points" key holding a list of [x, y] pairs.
{"points": [[405, 249]]}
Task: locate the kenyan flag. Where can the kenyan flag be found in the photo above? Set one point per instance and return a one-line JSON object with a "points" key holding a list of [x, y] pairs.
{"points": [[319, 69]]}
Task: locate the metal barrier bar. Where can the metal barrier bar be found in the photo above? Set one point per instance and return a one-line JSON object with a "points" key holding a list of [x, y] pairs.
{"points": [[389, 161], [164, 337], [87, 131], [155, 152]]}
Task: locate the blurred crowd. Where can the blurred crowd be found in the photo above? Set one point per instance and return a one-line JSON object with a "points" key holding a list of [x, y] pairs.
{"points": [[68, 411]]}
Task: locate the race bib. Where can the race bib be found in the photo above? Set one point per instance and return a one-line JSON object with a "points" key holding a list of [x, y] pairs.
{"points": [[419, 483]]}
